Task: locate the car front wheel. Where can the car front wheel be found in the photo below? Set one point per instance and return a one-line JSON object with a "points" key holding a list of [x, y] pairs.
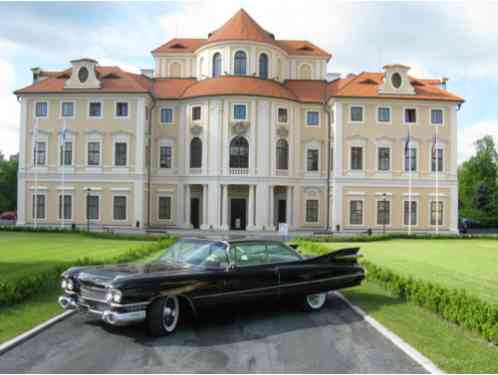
{"points": [[313, 302], [163, 315]]}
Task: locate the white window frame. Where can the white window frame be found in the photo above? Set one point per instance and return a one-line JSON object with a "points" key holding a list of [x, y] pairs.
{"points": [[439, 198], [306, 199], [363, 145], [363, 113], [163, 143], [61, 107], [414, 198], [164, 195], [167, 124], [95, 140], [443, 114], [48, 109], [390, 115], [120, 194], [115, 114], [379, 198], [277, 120], [268, 54], [192, 113], [70, 138], [101, 110], [363, 210], [232, 116], [62, 193], [99, 196], [43, 139], [319, 118], [45, 194], [121, 138], [439, 146], [417, 116], [313, 145], [412, 144], [377, 149], [248, 62]]}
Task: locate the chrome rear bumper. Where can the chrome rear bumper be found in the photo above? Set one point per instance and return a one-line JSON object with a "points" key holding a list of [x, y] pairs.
{"points": [[111, 317]]}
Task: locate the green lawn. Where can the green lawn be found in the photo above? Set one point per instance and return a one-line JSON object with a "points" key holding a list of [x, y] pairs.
{"points": [[451, 348], [464, 264], [24, 253]]}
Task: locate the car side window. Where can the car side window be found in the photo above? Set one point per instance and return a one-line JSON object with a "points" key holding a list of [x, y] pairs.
{"points": [[216, 257], [278, 253], [247, 254]]}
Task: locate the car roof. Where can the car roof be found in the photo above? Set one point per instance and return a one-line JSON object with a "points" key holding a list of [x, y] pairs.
{"points": [[231, 239]]}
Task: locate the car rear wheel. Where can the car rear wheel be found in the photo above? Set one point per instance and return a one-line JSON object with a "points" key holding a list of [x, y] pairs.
{"points": [[163, 315], [313, 302]]}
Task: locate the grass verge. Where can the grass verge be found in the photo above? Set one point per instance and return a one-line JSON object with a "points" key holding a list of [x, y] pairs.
{"points": [[450, 347]]}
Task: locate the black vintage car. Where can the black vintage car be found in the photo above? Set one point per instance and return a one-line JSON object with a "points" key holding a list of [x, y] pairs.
{"points": [[193, 273]]}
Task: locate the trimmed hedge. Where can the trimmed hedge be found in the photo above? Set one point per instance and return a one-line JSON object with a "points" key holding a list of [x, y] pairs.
{"points": [[394, 236], [454, 305], [16, 292]]}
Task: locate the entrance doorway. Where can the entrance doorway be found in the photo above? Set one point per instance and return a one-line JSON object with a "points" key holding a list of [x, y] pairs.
{"points": [[238, 214], [282, 211], [195, 212]]}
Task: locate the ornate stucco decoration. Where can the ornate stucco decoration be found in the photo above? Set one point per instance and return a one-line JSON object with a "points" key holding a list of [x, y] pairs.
{"points": [[282, 131], [312, 191], [240, 127], [196, 129]]}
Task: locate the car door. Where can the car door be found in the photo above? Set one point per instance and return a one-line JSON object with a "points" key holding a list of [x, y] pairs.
{"points": [[250, 276]]}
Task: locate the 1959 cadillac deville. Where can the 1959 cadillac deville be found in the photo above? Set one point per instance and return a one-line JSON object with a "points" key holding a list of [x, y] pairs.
{"points": [[193, 273]]}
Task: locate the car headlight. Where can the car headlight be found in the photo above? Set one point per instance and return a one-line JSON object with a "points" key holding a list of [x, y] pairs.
{"points": [[113, 295], [69, 284], [63, 284]]}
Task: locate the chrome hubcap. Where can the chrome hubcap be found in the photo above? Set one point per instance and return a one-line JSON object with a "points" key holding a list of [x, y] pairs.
{"points": [[316, 300], [170, 313]]}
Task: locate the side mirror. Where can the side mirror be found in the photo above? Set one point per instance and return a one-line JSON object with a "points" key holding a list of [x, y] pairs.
{"points": [[294, 246]]}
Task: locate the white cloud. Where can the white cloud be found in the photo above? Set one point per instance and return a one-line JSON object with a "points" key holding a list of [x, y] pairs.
{"points": [[469, 135], [9, 108]]}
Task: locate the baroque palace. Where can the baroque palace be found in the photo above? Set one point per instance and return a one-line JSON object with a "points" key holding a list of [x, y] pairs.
{"points": [[238, 131]]}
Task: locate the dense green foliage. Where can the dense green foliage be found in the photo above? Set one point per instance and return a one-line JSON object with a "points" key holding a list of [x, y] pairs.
{"points": [[452, 348], [30, 261], [478, 191], [8, 185]]}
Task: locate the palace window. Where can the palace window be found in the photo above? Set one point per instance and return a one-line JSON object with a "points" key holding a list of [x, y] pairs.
{"points": [[66, 154], [196, 153], [312, 160], [383, 212], [437, 213], [240, 63], [410, 115], [166, 115], [121, 109], [384, 158], [239, 153], [120, 154], [165, 157], [41, 109], [263, 65], [411, 159], [164, 208], [356, 113], [92, 207], [356, 212], [119, 207], [93, 154], [384, 114], [196, 113], [437, 116], [282, 154], [65, 206], [95, 109], [240, 112], [216, 64], [410, 213], [282, 115], [67, 109], [437, 160], [311, 210], [39, 206], [312, 118], [356, 158], [40, 154]]}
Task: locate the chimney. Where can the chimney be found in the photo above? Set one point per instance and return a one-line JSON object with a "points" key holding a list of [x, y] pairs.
{"points": [[444, 80], [36, 74], [149, 73]]}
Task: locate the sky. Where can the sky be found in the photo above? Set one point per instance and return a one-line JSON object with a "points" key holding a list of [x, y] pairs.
{"points": [[454, 40]]}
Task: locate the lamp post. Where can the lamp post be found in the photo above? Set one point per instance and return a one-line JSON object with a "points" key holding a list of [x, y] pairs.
{"points": [[88, 190], [384, 216]]}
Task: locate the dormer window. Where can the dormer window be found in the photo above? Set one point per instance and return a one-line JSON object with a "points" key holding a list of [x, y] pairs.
{"points": [[396, 80], [83, 74]]}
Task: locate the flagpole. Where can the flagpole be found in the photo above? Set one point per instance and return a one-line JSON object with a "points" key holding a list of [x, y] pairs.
{"points": [[409, 181], [35, 164], [63, 149], [437, 179]]}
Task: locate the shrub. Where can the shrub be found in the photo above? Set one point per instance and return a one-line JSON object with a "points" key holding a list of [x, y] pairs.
{"points": [[392, 236], [18, 291]]}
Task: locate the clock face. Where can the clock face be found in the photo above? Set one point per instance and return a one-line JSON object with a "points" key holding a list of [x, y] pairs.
{"points": [[396, 80], [83, 74]]}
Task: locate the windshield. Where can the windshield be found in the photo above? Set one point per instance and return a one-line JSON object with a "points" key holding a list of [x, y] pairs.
{"points": [[206, 253]]}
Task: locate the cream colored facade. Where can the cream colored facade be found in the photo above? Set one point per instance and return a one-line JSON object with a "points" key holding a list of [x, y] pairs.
{"points": [[172, 192]]}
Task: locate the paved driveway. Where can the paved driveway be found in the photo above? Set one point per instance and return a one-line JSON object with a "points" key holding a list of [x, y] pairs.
{"points": [[252, 338]]}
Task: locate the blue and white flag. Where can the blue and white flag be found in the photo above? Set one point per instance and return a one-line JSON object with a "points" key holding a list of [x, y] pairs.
{"points": [[407, 141], [63, 135]]}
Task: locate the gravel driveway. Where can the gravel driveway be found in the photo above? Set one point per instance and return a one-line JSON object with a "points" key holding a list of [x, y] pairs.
{"points": [[273, 338]]}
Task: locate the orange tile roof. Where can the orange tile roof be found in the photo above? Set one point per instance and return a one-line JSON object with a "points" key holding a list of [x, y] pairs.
{"points": [[171, 88], [307, 91], [366, 85], [241, 26]]}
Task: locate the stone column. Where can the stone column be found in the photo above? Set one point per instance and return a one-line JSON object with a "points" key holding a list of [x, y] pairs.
{"points": [[188, 224], [261, 205], [224, 215], [213, 206], [271, 221], [250, 209], [288, 206], [204, 224]]}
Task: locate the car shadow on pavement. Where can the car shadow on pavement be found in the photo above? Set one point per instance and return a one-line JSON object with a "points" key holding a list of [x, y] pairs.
{"points": [[228, 324]]}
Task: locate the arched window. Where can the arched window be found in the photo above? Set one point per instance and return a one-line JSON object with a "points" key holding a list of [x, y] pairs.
{"points": [[240, 64], [239, 153], [263, 65], [196, 153], [282, 154], [216, 64], [305, 72]]}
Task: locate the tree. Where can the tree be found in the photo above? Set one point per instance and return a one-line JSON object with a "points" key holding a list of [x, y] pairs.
{"points": [[8, 185], [478, 192]]}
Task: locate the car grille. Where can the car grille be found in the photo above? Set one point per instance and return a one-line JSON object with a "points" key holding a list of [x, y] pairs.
{"points": [[94, 294]]}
